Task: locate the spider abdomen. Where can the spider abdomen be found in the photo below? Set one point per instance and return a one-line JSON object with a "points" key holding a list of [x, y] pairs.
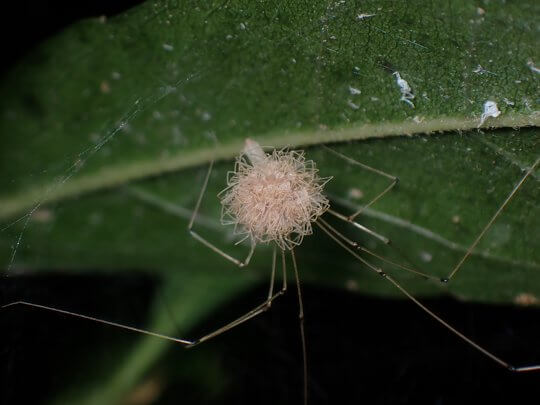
{"points": [[274, 197]]}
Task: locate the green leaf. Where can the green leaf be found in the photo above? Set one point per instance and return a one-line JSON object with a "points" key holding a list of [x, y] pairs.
{"points": [[111, 125]]}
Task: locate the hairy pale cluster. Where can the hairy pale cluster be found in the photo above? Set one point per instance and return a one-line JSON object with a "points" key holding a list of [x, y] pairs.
{"points": [[273, 197]]}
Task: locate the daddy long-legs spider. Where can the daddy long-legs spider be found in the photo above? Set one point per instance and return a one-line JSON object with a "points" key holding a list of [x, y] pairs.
{"points": [[235, 202]]}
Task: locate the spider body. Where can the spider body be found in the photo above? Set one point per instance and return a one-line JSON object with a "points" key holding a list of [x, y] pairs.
{"points": [[273, 197]]}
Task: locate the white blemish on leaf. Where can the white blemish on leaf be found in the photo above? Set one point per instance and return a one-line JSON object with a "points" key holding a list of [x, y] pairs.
{"points": [[352, 105], [363, 16], [355, 193], [426, 256], [533, 68], [354, 91], [406, 91], [508, 102], [168, 47], [480, 70], [490, 110]]}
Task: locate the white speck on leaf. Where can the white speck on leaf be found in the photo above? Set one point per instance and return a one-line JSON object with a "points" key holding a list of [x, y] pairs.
{"points": [[168, 47], [533, 68], [490, 110], [406, 91], [363, 16], [508, 102], [426, 256], [352, 105], [354, 91], [355, 193], [479, 69]]}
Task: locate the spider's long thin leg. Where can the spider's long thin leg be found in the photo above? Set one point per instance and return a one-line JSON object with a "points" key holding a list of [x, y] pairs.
{"points": [[284, 270], [394, 181], [427, 310], [98, 320], [302, 331], [239, 263], [255, 311], [369, 252], [491, 221], [357, 225], [188, 343]]}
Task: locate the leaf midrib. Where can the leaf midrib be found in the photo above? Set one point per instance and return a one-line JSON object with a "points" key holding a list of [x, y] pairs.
{"points": [[116, 175]]}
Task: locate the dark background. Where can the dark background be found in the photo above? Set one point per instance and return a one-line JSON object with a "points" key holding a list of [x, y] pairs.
{"points": [[389, 352], [26, 23]]}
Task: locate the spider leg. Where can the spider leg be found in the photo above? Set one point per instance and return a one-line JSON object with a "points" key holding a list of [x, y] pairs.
{"points": [[255, 311], [188, 343], [394, 181], [369, 252], [425, 309], [491, 221], [195, 235]]}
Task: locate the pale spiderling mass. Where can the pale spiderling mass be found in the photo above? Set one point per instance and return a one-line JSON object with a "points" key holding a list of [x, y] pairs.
{"points": [[273, 197]]}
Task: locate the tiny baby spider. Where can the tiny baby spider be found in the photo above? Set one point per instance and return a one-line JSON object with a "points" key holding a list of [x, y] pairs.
{"points": [[276, 198]]}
